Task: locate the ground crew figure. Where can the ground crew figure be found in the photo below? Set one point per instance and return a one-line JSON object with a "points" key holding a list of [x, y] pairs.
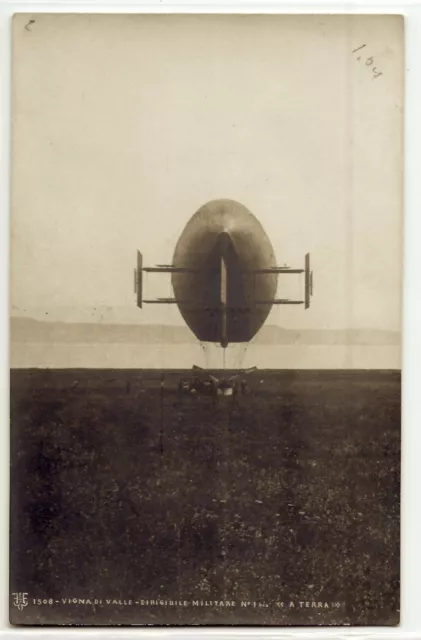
{"points": [[214, 392], [235, 402]]}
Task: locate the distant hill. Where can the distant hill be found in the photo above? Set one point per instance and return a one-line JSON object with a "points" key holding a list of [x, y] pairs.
{"points": [[277, 335], [26, 330]]}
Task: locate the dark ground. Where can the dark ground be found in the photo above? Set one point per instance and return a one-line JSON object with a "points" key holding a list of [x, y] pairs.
{"points": [[292, 497]]}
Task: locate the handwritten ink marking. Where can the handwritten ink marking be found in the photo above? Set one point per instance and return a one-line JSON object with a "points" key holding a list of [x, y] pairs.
{"points": [[28, 25], [369, 62], [358, 48]]}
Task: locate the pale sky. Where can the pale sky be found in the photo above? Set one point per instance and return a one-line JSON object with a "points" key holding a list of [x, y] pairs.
{"points": [[125, 125]]}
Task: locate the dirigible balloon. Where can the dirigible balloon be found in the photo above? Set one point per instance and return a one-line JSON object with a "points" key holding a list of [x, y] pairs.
{"points": [[224, 274]]}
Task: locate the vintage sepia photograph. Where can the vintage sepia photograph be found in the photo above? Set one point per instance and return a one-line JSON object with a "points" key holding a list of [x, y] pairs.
{"points": [[205, 360]]}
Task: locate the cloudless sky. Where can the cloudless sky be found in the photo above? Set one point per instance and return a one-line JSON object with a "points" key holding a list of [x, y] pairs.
{"points": [[125, 125]]}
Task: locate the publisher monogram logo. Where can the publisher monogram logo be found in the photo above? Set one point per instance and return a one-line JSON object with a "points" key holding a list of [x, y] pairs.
{"points": [[20, 600]]}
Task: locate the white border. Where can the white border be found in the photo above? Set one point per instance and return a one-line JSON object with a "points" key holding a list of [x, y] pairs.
{"points": [[410, 627]]}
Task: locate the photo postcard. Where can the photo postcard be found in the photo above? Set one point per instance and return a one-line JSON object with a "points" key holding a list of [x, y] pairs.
{"points": [[206, 278]]}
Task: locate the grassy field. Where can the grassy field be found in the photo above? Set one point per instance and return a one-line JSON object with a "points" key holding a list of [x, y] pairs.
{"points": [[121, 491]]}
